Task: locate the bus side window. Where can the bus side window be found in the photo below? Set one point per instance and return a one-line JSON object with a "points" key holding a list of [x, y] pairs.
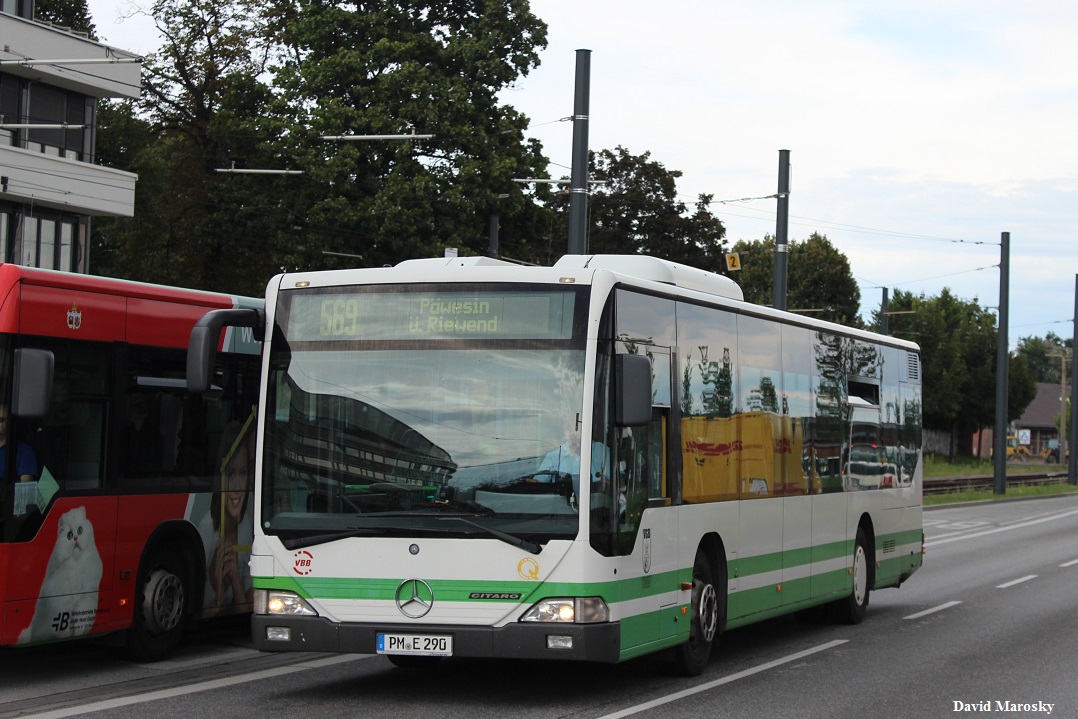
{"points": [[69, 440], [27, 458], [142, 435], [69, 444], [82, 462]]}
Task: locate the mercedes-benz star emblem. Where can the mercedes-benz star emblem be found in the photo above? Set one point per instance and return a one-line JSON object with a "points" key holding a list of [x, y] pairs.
{"points": [[414, 598]]}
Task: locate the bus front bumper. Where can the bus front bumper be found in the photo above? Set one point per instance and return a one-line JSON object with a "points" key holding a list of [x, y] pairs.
{"points": [[599, 642]]}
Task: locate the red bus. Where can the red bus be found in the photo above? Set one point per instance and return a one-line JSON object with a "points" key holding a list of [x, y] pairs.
{"points": [[125, 506]]}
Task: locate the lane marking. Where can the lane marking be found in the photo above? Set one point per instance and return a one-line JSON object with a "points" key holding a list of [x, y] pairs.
{"points": [[725, 680], [1071, 563], [1009, 527], [194, 688], [1017, 581], [933, 610], [209, 658], [937, 537]]}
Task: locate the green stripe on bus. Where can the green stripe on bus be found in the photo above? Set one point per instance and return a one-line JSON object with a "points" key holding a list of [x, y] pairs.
{"points": [[385, 589], [788, 559], [741, 602]]}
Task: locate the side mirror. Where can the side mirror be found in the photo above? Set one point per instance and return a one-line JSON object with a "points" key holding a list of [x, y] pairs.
{"points": [[632, 390], [33, 382], [205, 336]]}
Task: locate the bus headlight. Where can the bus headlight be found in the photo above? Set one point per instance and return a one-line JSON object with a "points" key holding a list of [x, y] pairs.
{"points": [[280, 602], [571, 610]]}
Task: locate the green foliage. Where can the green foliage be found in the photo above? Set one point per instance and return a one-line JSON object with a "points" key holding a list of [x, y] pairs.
{"points": [[1021, 387], [66, 13], [1043, 355], [248, 85], [200, 91], [958, 348], [819, 279], [633, 209], [142, 247], [388, 69]]}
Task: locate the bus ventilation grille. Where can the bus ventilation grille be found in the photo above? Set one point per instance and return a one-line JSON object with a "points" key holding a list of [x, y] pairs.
{"points": [[914, 367]]}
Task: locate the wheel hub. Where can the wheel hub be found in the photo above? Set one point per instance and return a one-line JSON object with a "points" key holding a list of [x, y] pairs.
{"points": [[163, 602]]}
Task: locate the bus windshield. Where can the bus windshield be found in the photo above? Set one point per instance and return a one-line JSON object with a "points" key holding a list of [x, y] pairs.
{"points": [[426, 410]]}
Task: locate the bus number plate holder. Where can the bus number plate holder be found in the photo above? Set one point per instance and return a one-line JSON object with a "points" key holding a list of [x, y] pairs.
{"points": [[423, 645]]}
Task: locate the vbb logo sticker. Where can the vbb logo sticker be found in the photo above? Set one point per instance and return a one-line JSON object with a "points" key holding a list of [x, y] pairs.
{"points": [[304, 562]]}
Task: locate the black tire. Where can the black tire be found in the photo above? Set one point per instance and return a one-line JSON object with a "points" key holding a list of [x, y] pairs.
{"points": [[852, 609], [692, 657], [162, 607]]}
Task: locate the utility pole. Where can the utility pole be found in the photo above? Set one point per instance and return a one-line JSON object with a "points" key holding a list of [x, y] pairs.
{"points": [[782, 225], [999, 432], [1062, 427], [578, 188], [884, 314], [1072, 465]]}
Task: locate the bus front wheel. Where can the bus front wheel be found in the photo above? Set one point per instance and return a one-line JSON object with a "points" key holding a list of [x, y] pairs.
{"points": [[691, 658], [161, 608]]}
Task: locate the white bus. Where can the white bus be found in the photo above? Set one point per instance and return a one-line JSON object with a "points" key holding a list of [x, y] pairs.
{"points": [[423, 428]]}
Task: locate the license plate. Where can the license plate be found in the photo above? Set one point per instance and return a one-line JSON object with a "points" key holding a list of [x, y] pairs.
{"points": [[425, 645]]}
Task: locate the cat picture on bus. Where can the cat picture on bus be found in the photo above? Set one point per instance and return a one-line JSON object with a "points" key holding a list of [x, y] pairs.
{"points": [[67, 602]]}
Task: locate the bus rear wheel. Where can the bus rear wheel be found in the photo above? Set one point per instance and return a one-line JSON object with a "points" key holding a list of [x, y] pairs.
{"points": [[852, 609], [691, 658], [161, 608]]}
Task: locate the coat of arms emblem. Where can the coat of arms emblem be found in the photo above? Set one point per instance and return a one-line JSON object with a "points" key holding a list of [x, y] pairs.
{"points": [[74, 317]]}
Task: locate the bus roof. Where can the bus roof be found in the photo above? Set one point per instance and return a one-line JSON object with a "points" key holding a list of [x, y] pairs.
{"points": [[66, 304], [642, 269], [657, 270], [11, 274]]}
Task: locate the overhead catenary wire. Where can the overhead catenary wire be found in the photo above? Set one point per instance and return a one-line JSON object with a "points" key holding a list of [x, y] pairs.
{"points": [[926, 279]]}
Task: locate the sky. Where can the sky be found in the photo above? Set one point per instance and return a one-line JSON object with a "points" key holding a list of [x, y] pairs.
{"points": [[918, 131]]}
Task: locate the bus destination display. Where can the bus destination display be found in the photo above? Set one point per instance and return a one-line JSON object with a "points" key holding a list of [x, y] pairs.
{"points": [[320, 316]]}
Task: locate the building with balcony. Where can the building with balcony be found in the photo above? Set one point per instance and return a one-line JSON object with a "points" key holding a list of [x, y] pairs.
{"points": [[50, 187]]}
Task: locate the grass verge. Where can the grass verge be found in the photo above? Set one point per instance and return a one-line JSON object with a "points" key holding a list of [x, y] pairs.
{"points": [[935, 466], [981, 495]]}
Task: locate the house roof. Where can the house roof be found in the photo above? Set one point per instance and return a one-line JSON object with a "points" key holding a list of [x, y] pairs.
{"points": [[1044, 409]]}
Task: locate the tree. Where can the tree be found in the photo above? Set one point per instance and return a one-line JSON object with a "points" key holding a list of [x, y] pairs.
{"points": [[1043, 356], [633, 209], [819, 278], [958, 340], [67, 13], [192, 226], [391, 68], [253, 86], [142, 247]]}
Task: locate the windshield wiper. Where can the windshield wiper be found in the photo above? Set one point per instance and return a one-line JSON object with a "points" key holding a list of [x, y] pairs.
{"points": [[526, 545], [315, 539], [436, 513]]}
